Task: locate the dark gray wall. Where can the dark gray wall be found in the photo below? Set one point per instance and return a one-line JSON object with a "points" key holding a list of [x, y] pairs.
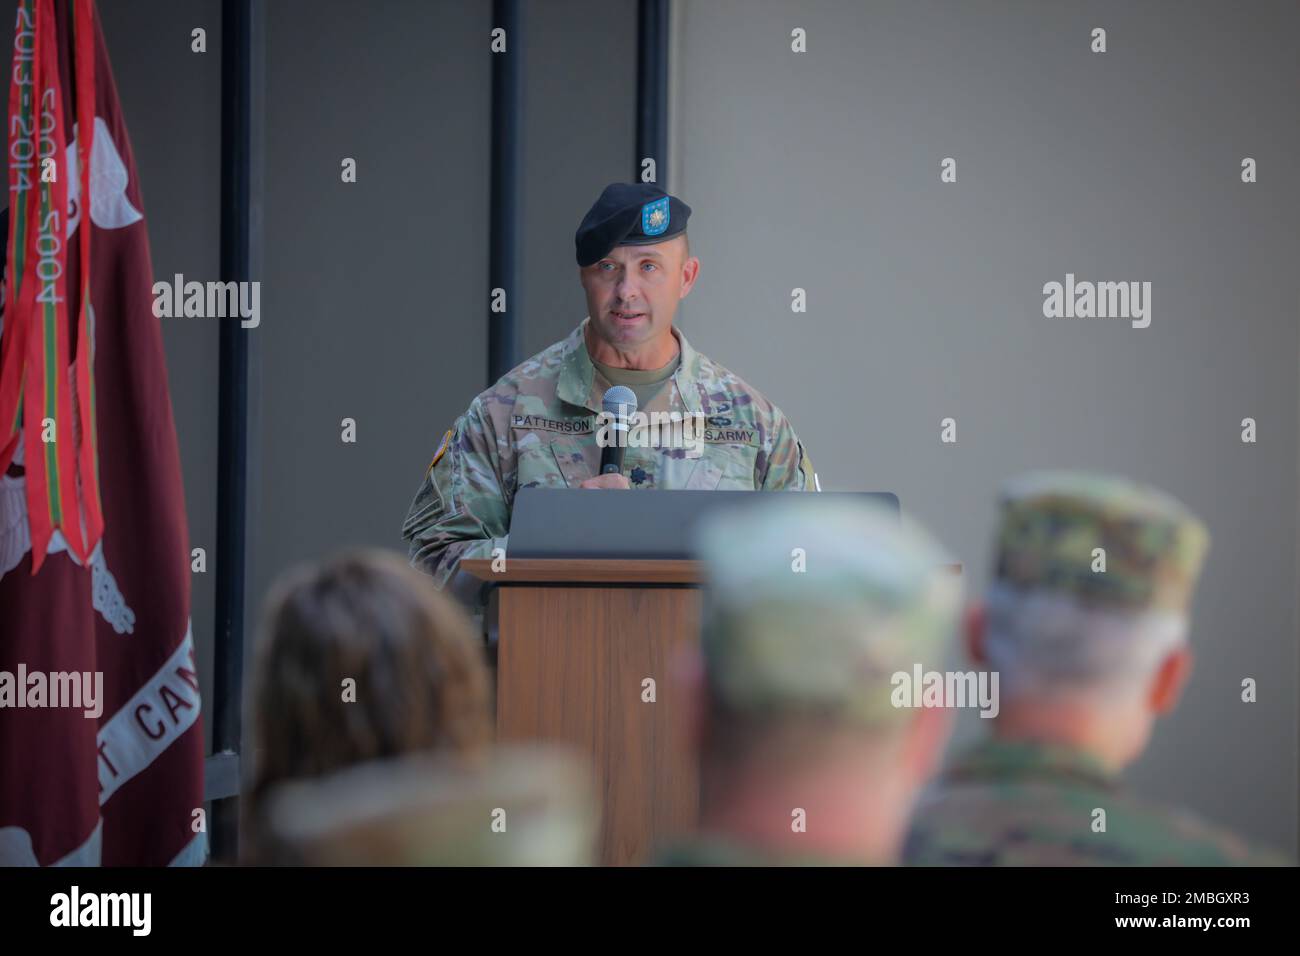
{"points": [[374, 293], [821, 170], [580, 136]]}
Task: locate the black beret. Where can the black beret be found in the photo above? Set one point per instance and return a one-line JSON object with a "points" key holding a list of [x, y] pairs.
{"points": [[629, 214]]}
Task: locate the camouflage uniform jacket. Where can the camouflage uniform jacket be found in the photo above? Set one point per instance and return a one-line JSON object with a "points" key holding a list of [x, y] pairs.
{"points": [[537, 427], [1023, 804]]}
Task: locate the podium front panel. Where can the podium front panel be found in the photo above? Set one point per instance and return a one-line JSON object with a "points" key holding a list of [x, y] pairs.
{"points": [[572, 666]]}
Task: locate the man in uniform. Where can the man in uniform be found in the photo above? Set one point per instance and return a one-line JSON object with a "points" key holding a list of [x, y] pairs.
{"points": [[1086, 622], [812, 607], [538, 425]]}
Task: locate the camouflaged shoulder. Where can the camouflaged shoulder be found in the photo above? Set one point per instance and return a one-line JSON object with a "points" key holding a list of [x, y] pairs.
{"points": [[457, 510], [536, 376], [530, 388], [463, 505], [1036, 823], [783, 463]]}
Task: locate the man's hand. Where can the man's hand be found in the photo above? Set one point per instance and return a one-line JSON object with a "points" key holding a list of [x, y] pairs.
{"points": [[613, 480]]}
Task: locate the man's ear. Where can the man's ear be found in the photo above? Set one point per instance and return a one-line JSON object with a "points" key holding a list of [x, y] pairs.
{"points": [[690, 272], [1167, 685], [973, 622]]}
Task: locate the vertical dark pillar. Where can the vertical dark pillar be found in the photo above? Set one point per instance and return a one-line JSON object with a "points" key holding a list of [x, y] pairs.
{"points": [[506, 192], [652, 89], [237, 240]]}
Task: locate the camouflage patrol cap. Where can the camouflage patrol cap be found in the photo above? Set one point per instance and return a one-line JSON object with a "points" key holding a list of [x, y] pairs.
{"points": [[814, 603], [1052, 522], [629, 214]]}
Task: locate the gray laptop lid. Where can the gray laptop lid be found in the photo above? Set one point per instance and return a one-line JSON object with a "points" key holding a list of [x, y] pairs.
{"points": [[608, 523]]}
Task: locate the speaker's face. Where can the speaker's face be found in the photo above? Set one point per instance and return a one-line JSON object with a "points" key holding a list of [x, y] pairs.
{"points": [[632, 293]]}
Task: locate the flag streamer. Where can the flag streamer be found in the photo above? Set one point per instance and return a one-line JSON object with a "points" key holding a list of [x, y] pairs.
{"points": [[46, 375]]}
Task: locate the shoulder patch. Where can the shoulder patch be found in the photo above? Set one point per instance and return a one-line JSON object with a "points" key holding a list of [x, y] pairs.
{"points": [[442, 449]]}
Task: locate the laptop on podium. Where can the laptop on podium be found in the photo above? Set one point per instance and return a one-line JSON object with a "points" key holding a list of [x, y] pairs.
{"points": [[608, 523]]}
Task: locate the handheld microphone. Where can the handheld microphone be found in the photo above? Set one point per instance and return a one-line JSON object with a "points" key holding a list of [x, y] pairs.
{"points": [[620, 402]]}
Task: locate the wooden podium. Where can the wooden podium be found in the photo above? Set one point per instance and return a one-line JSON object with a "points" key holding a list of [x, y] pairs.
{"points": [[577, 640]]}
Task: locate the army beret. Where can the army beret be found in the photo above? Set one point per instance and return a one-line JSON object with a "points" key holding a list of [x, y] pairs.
{"points": [[1056, 529], [629, 214]]}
